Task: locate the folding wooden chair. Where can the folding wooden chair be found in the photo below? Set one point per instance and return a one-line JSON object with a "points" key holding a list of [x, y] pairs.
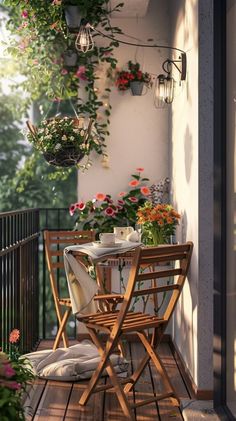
{"points": [[55, 242], [176, 261]]}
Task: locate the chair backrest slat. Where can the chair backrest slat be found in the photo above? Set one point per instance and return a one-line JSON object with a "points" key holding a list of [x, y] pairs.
{"points": [[162, 258], [158, 274], [55, 242], [151, 260]]}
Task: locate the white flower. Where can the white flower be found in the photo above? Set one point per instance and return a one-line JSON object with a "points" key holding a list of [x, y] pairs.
{"points": [[82, 132], [58, 146], [76, 130], [64, 137], [71, 137]]}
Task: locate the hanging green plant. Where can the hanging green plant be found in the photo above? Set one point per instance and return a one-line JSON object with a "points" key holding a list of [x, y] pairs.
{"points": [[65, 141], [39, 47]]}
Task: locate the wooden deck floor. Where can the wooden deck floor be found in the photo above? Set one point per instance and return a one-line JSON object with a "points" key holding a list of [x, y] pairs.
{"points": [[58, 401]]}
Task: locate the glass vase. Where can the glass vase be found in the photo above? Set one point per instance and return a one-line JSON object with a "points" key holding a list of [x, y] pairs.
{"points": [[157, 237]]}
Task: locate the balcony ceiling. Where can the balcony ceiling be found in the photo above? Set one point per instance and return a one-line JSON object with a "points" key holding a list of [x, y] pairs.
{"points": [[131, 8]]}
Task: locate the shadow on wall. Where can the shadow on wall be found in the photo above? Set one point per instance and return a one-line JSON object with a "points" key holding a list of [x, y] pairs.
{"points": [[188, 153]]}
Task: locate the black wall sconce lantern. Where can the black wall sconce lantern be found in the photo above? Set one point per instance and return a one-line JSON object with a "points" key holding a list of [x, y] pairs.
{"points": [[165, 83]]}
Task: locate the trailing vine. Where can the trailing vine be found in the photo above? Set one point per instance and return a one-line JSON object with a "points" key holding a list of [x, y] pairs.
{"points": [[40, 38]]}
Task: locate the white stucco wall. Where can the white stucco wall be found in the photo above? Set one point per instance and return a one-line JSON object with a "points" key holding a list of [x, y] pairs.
{"points": [[192, 185], [138, 131]]}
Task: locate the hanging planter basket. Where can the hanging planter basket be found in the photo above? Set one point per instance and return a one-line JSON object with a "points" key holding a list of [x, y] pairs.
{"points": [[136, 88], [63, 141], [67, 157], [70, 58], [73, 17]]}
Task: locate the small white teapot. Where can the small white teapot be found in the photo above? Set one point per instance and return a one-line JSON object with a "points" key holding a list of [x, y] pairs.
{"points": [[121, 233], [133, 236]]}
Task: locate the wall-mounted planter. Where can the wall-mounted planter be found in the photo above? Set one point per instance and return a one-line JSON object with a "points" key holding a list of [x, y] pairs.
{"points": [[70, 58], [73, 17], [136, 88]]}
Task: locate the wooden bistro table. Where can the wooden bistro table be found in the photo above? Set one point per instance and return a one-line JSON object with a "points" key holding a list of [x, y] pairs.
{"points": [[104, 260]]}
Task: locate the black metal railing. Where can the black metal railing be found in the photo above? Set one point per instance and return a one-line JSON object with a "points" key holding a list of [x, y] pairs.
{"points": [[26, 301], [19, 233]]}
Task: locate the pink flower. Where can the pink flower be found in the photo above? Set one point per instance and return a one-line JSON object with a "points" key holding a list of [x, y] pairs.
{"points": [[56, 2], [14, 336], [9, 371], [13, 385], [145, 190], [35, 61], [109, 211], [80, 206], [100, 197], [72, 210], [133, 199], [118, 207], [134, 183], [122, 193], [64, 72], [24, 14], [121, 202], [81, 73], [140, 169]]}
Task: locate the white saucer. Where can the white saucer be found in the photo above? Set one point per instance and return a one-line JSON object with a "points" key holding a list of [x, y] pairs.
{"points": [[106, 245]]}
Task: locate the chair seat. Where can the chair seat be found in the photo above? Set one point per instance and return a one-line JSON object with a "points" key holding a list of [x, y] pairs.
{"points": [[134, 321]]}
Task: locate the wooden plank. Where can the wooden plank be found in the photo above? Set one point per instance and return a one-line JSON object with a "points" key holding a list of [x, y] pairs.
{"points": [[144, 387], [172, 370], [33, 397], [112, 408], [92, 411], [53, 403], [167, 410]]}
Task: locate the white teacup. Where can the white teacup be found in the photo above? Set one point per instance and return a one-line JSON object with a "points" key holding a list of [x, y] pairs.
{"points": [[107, 238], [122, 232]]}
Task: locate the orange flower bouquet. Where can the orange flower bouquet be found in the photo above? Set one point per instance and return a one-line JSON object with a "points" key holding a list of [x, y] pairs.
{"points": [[158, 223]]}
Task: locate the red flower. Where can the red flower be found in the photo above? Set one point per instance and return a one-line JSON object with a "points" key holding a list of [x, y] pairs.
{"points": [[121, 202], [64, 72], [134, 183], [140, 169], [145, 190], [14, 336], [122, 193], [24, 14], [109, 211], [72, 210], [80, 206], [133, 199]]}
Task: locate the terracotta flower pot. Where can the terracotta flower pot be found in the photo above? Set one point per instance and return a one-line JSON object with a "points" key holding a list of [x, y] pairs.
{"points": [[136, 87]]}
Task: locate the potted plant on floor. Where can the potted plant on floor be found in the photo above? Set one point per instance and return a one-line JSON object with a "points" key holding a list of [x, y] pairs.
{"points": [[133, 78]]}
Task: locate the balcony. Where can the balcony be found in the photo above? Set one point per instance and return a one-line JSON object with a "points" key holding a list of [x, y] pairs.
{"points": [[26, 303]]}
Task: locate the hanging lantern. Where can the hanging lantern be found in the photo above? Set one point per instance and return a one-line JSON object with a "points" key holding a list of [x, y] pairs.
{"points": [[84, 41], [169, 89]]}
